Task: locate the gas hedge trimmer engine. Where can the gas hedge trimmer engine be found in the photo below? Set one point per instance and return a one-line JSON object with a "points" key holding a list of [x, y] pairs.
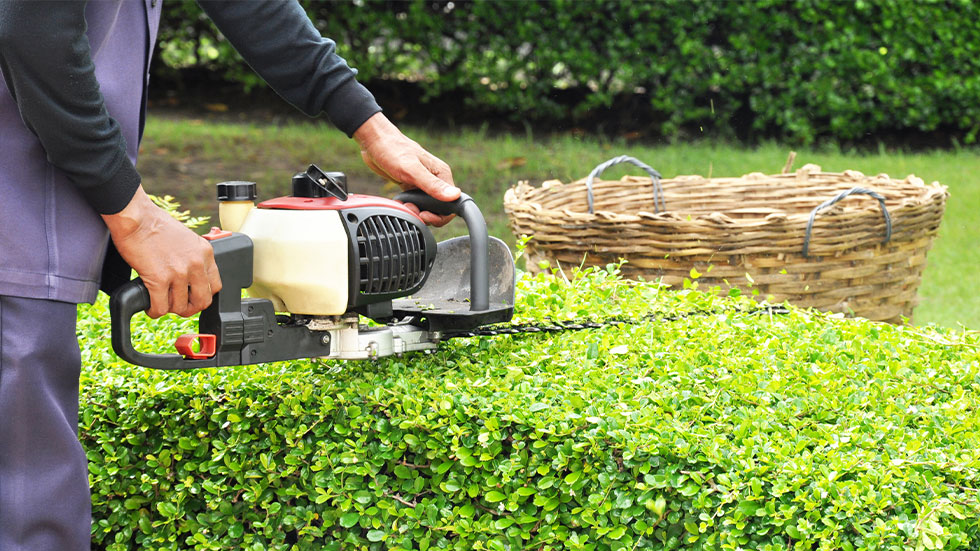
{"points": [[315, 261]]}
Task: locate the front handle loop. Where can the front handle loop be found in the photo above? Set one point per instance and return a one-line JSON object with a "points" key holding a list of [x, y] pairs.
{"points": [[658, 194], [842, 195]]}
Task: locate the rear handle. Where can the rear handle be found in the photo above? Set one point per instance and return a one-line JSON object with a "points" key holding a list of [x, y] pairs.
{"points": [[129, 300], [233, 256]]}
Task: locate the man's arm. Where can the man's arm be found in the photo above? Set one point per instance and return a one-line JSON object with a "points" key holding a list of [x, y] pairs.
{"points": [[280, 43], [47, 66]]}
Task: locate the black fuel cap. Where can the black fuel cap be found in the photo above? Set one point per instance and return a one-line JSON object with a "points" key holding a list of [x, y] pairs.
{"points": [[237, 191]]}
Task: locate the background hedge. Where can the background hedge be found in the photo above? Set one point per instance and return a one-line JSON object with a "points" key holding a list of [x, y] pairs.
{"points": [[719, 430], [799, 70]]}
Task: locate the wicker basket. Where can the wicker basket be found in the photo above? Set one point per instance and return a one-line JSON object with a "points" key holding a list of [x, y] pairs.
{"points": [[841, 242]]}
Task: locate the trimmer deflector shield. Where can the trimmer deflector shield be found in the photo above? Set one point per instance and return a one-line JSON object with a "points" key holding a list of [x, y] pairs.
{"points": [[443, 303]]}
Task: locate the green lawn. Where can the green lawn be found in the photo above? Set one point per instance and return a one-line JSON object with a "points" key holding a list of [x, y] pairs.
{"points": [[180, 156]]}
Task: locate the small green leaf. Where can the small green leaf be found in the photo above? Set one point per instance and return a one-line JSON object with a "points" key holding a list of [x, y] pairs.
{"points": [[167, 509], [592, 352], [133, 503], [348, 520], [451, 486], [236, 530], [689, 489], [659, 505]]}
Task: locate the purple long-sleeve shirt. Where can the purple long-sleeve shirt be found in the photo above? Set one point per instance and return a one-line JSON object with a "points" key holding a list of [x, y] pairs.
{"points": [[72, 100]]}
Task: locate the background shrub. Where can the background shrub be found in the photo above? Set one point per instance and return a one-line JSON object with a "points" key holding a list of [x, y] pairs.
{"points": [[721, 429], [798, 70]]}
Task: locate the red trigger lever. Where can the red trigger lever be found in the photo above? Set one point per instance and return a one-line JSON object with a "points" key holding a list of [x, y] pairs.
{"points": [[185, 346]]}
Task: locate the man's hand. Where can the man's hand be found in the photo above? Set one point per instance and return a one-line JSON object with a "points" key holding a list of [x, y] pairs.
{"points": [[176, 264], [394, 157]]}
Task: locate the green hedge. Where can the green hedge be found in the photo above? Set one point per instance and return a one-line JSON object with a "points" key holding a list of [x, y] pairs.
{"points": [[721, 431], [800, 70]]}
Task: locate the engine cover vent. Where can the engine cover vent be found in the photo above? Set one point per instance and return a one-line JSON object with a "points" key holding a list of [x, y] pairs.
{"points": [[392, 255]]}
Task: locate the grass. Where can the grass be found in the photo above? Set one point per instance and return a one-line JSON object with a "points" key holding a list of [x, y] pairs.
{"points": [[185, 157]]}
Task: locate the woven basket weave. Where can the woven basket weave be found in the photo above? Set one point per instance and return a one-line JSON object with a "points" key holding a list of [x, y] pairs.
{"points": [[748, 232]]}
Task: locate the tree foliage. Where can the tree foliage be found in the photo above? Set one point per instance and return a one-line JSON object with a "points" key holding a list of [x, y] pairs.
{"points": [[800, 70]]}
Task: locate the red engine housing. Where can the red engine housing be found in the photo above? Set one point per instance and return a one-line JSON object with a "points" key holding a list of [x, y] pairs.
{"points": [[354, 200]]}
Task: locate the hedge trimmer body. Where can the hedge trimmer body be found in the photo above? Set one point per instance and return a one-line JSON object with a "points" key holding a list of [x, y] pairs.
{"points": [[319, 260]]}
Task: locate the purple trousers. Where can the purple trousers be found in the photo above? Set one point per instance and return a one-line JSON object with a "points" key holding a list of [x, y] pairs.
{"points": [[45, 504]]}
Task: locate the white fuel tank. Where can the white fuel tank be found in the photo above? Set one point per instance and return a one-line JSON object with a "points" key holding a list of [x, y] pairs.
{"points": [[300, 260]]}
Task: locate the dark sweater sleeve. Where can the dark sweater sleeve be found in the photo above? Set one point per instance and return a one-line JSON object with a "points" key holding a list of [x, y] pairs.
{"points": [[280, 43], [47, 67]]}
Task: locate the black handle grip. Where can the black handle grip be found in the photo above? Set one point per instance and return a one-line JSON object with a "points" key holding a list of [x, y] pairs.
{"points": [[466, 209], [427, 202], [129, 300]]}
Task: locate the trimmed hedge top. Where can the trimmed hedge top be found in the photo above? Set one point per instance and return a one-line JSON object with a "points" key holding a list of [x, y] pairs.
{"points": [[722, 429]]}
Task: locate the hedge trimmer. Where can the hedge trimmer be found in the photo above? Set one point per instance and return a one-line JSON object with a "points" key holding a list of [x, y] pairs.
{"points": [[319, 260]]}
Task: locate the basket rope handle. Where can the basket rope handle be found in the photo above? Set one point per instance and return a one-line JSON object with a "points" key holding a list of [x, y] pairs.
{"points": [[841, 195], [658, 193]]}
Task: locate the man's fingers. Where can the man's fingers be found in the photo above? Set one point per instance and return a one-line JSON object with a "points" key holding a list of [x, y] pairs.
{"points": [[369, 161], [413, 207], [435, 219], [176, 265], [435, 178], [199, 297], [441, 190], [416, 169], [214, 278], [420, 177], [179, 296], [159, 299], [395, 157], [437, 167], [183, 299]]}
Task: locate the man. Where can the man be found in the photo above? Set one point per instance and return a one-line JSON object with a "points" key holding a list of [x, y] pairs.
{"points": [[72, 101]]}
